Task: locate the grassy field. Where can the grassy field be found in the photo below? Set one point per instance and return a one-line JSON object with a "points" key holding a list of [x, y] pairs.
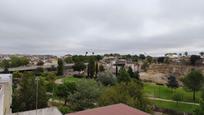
{"points": [[70, 79], [174, 106], [164, 92]]}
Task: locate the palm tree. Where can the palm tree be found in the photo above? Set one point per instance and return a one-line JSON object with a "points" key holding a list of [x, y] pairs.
{"points": [[86, 53]]}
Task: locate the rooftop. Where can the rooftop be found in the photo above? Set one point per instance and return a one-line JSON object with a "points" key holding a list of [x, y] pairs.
{"points": [[45, 111], [118, 109]]}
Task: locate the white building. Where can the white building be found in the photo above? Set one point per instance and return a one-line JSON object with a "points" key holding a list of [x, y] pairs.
{"points": [[44, 111], [5, 93]]}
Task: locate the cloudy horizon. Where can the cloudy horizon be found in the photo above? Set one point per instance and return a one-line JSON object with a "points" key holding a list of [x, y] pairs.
{"points": [[61, 27]]}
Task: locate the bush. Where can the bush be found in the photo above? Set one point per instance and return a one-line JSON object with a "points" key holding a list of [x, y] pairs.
{"points": [[85, 95], [107, 78], [130, 93], [65, 109]]}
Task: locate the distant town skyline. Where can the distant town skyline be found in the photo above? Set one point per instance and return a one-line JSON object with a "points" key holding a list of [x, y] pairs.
{"points": [[64, 27]]}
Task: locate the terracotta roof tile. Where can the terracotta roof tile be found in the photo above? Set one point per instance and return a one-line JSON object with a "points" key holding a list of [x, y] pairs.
{"points": [[118, 109]]}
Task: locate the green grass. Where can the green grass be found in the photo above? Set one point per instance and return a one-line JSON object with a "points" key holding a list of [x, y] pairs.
{"points": [[70, 79], [164, 92], [174, 106]]}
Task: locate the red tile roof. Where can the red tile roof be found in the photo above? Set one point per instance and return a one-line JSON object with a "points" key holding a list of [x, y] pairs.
{"points": [[118, 109]]}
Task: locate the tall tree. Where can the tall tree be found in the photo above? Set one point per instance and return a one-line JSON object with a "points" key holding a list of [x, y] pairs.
{"points": [[123, 76], [172, 82], [194, 81], [201, 53], [186, 53], [91, 68], [60, 67], [25, 96]]}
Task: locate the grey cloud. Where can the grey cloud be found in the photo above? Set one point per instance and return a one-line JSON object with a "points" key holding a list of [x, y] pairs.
{"points": [[104, 26]]}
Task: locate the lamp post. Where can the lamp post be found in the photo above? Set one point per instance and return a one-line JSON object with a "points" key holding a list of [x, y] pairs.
{"points": [[36, 100]]}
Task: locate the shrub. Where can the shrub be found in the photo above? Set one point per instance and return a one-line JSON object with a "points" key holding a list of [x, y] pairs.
{"points": [[107, 78]]}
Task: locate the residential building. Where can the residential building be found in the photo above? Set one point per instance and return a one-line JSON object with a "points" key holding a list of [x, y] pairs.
{"points": [[44, 111], [5, 93]]}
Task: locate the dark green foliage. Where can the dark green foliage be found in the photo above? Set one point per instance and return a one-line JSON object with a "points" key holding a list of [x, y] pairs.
{"points": [[194, 59], [149, 59], [64, 110], [96, 69], [85, 96], [172, 82], [133, 75], [24, 97], [91, 68], [123, 76], [99, 57], [130, 93], [68, 60], [107, 78], [40, 63], [194, 81], [142, 56], [201, 53], [65, 90], [18, 61], [60, 67], [101, 68], [39, 71], [200, 109], [145, 65], [79, 66], [161, 59]]}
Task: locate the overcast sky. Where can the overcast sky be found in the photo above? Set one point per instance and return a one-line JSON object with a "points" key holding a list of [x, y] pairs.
{"points": [[60, 27]]}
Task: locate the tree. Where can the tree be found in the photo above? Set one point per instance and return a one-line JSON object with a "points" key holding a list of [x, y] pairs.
{"points": [[145, 65], [149, 59], [65, 90], [133, 75], [107, 78], [194, 81], [79, 66], [186, 53], [130, 93], [201, 53], [40, 63], [142, 56], [101, 68], [60, 67], [194, 59], [96, 69], [91, 68], [177, 97], [18, 61], [200, 109], [85, 96], [68, 60], [123, 76], [5, 65], [172, 82], [24, 97]]}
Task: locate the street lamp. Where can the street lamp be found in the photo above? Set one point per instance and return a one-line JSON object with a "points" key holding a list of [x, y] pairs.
{"points": [[36, 100]]}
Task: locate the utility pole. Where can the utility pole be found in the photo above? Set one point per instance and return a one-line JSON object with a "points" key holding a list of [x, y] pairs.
{"points": [[36, 100]]}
